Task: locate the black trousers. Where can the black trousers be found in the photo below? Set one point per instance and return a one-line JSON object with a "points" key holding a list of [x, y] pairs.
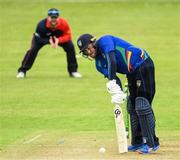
{"points": [[141, 84], [31, 55]]}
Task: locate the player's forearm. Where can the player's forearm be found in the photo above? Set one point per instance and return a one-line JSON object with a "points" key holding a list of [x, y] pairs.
{"points": [[118, 81], [112, 65], [41, 40], [40, 35]]}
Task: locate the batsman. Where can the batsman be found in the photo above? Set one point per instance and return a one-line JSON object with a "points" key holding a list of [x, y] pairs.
{"points": [[114, 55]]}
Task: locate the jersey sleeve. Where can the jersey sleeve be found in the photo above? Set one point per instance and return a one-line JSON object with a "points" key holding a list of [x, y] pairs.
{"points": [[112, 65], [105, 72], [40, 34], [101, 69], [66, 36], [108, 49], [106, 44]]}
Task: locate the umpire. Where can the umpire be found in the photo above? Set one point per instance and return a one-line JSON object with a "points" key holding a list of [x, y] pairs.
{"points": [[53, 30]]}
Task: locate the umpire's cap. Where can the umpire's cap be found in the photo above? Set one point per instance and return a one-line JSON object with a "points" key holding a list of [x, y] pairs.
{"points": [[84, 40], [53, 12]]}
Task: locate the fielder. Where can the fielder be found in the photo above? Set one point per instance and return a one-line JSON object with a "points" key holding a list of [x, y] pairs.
{"points": [[113, 55], [52, 30]]}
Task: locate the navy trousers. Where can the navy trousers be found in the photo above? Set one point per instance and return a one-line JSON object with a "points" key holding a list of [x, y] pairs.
{"points": [[31, 55], [141, 84]]}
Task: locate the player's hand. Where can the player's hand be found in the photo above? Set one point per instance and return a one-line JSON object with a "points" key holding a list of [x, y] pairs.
{"points": [[118, 98], [117, 95], [56, 42], [112, 87], [53, 41]]}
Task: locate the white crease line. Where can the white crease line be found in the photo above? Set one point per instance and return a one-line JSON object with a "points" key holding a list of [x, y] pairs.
{"points": [[32, 139]]}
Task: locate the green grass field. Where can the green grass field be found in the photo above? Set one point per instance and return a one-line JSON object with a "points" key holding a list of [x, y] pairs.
{"points": [[50, 104]]}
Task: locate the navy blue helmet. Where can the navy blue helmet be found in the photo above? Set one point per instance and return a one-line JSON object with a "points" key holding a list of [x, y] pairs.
{"points": [[53, 12], [84, 40]]}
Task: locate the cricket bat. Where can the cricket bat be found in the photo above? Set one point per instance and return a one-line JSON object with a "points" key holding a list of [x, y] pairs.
{"points": [[120, 129]]}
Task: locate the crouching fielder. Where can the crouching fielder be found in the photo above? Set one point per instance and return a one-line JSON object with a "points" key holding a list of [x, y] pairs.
{"points": [[113, 55]]}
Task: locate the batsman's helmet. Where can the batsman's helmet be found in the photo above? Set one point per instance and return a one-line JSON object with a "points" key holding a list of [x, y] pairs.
{"points": [[53, 12], [84, 40]]}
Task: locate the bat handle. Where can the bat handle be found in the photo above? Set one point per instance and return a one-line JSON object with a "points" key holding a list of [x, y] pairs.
{"points": [[117, 105]]}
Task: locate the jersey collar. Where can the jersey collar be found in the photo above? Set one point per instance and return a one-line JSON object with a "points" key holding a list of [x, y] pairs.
{"points": [[48, 25]]}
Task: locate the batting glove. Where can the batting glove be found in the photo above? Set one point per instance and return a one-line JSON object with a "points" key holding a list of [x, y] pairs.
{"points": [[118, 98], [112, 87]]}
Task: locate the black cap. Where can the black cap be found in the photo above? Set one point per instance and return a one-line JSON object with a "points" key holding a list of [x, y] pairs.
{"points": [[84, 40], [53, 12]]}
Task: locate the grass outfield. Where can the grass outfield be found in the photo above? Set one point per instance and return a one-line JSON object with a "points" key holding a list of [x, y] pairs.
{"points": [[50, 104]]}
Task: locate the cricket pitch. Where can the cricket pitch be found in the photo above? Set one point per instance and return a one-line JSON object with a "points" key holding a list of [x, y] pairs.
{"points": [[58, 145]]}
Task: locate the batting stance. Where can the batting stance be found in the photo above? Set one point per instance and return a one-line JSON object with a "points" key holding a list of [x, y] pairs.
{"points": [[52, 30], [113, 55]]}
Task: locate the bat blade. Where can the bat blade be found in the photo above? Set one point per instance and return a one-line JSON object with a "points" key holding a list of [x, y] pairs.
{"points": [[120, 130]]}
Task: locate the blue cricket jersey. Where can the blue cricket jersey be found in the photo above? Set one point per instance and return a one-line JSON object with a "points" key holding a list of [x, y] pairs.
{"points": [[118, 56]]}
